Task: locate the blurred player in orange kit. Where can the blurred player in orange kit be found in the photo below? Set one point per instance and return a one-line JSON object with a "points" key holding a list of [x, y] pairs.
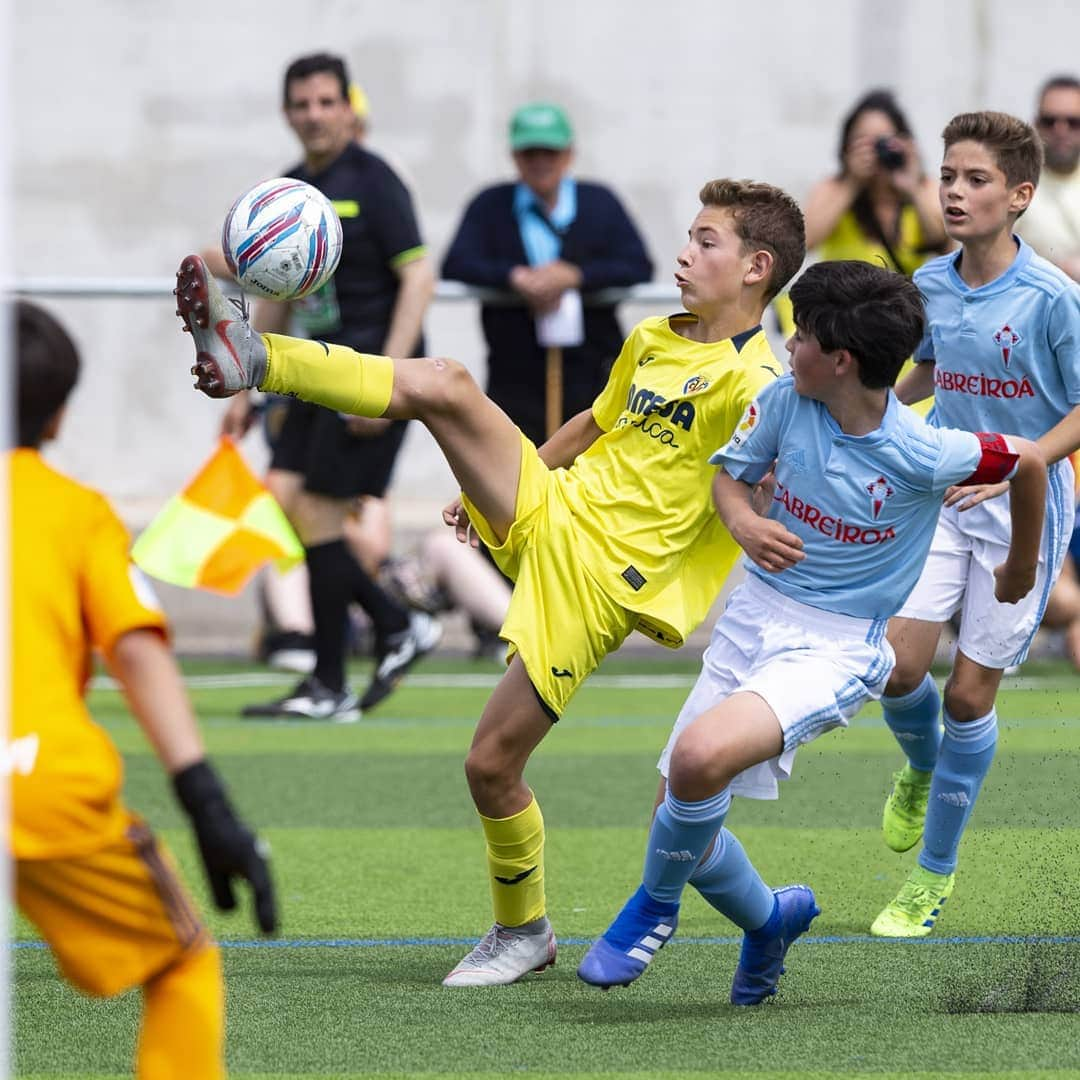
{"points": [[87, 871]]}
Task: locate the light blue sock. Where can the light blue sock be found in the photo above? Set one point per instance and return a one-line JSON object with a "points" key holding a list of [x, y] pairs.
{"points": [[914, 720], [728, 881], [966, 753], [679, 836]]}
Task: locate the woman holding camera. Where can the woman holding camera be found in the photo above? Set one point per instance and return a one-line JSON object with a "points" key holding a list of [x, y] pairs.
{"points": [[881, 207]]}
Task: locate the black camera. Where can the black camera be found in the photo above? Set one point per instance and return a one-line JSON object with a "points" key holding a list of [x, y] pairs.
{"points": [[889, 157]]}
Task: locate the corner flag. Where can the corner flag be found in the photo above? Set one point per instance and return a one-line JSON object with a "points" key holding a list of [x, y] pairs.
{"points": [[218, 530]]}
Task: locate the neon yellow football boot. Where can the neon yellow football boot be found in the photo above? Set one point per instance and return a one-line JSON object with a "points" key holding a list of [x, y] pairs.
{"points": [[905, 809], [914, 910]]}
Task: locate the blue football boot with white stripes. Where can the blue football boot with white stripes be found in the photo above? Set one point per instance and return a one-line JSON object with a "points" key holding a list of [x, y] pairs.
{"points": [[640, 930], [761, 962]]}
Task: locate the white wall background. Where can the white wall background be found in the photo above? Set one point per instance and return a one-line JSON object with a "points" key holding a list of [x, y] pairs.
{"points": [[137, 121]]}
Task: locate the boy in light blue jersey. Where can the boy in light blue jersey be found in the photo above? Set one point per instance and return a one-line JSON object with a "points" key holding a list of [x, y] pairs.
{"points": [[1002, 353], [859, 482]]}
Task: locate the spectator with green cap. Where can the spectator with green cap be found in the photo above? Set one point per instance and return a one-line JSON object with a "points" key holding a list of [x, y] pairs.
{"points": [[537, 237], [540, 126]]}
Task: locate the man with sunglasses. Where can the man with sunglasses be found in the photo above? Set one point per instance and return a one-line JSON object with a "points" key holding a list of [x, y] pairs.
{"points": [[1052, 227], [1052, 224]]}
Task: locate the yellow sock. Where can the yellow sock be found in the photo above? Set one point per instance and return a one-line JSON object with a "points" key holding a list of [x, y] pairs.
{"points": [[515, 855], [332, 375], [183, 1021]]}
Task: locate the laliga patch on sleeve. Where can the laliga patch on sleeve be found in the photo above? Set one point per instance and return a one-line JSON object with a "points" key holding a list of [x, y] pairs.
{"points": [[144, 591], [745, 427]]}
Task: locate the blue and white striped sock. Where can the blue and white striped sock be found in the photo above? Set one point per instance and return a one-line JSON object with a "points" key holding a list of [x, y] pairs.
{"points": [[727, 880], [915, 721], [966, 754], [680, 835]]}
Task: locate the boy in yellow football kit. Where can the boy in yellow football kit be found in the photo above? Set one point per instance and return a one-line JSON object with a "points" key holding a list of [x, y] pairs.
{"points": [[87, 871], [607, 528]]}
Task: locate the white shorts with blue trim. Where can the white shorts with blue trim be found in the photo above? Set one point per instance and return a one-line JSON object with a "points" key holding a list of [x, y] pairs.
{"points": [[959, 577], [815, 670]]}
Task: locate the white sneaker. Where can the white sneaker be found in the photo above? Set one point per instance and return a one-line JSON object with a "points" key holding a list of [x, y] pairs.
{"points": [[311, 700], [398, 653], [504, 956]]}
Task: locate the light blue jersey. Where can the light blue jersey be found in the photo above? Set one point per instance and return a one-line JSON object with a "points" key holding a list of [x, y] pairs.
{"points": [[1007, 358], [865, 507]]}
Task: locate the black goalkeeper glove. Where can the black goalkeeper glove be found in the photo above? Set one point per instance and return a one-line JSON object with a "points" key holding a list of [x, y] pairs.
{"points": [[228, 847]]}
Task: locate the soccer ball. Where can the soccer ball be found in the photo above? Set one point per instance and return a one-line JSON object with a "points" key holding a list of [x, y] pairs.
{"points": [[282, 239]]}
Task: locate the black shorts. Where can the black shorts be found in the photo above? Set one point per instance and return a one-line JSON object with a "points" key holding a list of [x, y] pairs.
{"points": [[316, 443]]}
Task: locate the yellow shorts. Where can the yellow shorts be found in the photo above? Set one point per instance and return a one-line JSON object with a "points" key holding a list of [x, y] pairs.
{"points": [[560, 621], [115, 918]]}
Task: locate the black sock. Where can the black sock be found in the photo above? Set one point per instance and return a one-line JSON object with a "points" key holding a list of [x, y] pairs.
{"points": [[388, 614], [335, 579], [328, 571]]}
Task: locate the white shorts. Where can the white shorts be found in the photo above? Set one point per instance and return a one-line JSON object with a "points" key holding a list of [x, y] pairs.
{"points": [[813, 668], [959, 577]]}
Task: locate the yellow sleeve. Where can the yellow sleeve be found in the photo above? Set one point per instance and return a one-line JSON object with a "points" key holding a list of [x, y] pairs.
{"points": [[755, 378], [116, 595], [609, 405]]}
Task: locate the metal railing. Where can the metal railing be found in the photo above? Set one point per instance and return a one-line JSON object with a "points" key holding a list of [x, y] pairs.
{"points": [[445, 292]]}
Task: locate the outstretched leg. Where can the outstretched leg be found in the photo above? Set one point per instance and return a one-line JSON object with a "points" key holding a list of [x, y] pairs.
{"points": [[480, 442]]}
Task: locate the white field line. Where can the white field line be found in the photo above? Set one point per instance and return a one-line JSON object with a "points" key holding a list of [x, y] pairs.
{"points": [[240, 680]]}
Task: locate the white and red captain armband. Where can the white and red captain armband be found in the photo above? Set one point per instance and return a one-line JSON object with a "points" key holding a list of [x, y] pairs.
{"points": [[999, 460]]}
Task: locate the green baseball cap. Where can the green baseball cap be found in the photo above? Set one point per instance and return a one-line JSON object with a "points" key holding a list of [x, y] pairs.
{"points": [[540, 125]]}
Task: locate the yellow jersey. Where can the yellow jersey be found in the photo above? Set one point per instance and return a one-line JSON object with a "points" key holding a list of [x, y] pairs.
{"points": [[73, 590], [641, 495], [849, 241]]}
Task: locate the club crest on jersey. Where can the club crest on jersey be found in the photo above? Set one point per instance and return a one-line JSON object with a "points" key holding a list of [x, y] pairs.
{"points": [[1006, 339], [879, 490], [695, 385]]}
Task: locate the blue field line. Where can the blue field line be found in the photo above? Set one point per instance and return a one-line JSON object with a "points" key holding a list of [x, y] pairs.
{"points": [[423, 942]]}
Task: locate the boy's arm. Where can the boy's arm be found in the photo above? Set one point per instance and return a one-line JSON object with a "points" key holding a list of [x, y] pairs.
{"points": [[144, 666], [918, 384], [1063, 337], [572, 439], [141, 662], [1015, 577], [1063, 438], [766, 542], [1060, 441], [826, 205], [416, 288], [559, 452]]}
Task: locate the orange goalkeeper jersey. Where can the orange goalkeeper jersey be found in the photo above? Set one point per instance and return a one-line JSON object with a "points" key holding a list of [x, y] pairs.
{"points": [[73, 590]]}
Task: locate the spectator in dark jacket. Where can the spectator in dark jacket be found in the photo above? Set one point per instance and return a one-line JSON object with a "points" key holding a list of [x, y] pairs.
{"points": [[537, 238]]}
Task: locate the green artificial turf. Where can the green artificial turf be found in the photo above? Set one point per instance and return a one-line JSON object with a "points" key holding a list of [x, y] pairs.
{"points": [[379, 866]]}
